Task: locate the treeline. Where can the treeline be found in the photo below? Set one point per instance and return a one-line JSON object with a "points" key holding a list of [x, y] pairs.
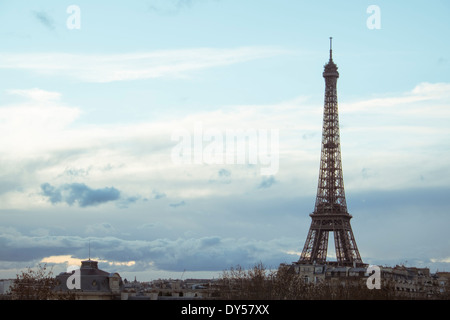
{"points": [[259, 283]]}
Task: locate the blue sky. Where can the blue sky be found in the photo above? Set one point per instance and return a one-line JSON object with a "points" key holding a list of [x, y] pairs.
{"points": [[87, 118]]}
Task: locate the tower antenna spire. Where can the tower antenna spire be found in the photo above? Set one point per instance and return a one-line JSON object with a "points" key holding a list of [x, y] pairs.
{"points": [[331, 48]]}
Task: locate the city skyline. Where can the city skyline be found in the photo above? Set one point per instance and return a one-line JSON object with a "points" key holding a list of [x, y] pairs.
{"points": [[90, 104]]}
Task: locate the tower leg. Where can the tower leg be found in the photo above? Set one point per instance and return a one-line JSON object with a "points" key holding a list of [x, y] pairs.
{"points": [[316, 247]]}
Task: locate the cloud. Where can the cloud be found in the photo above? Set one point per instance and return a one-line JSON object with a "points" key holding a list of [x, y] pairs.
{"points": [[79, 193], [267, 182], [207, 253], [158, 195], [35, 123], [125, 202], [100, 229], [224, 173], [178, 204], [73, 263], [44, 19], [445, 260], [133, 66], [37, 95], [63, 259], [170, 7], [408, 103], [216, 233], [223, 176], [41, 128]]}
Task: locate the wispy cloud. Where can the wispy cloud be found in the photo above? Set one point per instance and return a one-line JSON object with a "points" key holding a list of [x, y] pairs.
{"points": [[133, 66], [35, 123], [445, 260], [100, 229], [177, 204], [36, 94], [403, 102], [169, 7], [70, 261], [45, 19], [158, 195]]}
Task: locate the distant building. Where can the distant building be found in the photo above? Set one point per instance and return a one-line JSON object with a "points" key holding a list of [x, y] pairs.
{"points": [[5, 285], [404, 282], [95, 284], [317, 273], [443, 284], [169, 289]]}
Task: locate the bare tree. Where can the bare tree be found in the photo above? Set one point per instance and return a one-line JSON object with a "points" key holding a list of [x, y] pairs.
{"points": [[37, 285], [259, 283], [255, 283]]}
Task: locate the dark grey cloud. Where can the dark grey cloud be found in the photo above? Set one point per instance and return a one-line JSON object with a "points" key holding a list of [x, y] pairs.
{"points": [[53, 194], [9, 184], [79, 193], [224, 173], [44, 19], [100, 229], [267, 182], [158, 195], [177, 204], [125, 202], [366, 173], [75, 172], [18, 247], [309, 135], [211, 253], [207, 253], [223, 176]]}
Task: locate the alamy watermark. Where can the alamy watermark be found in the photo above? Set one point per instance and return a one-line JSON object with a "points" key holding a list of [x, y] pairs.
{"points": [[230, 146], [74, 20], [374, 20], [73, 282], [374, 279]]}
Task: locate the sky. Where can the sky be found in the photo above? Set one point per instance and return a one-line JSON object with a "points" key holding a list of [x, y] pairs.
{"points": [[117, 119]]}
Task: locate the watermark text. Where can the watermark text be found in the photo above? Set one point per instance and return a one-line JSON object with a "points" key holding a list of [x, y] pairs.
{"points": [[74, 281], [231, 146], [74, 20], [374, 279], [374, 20]]}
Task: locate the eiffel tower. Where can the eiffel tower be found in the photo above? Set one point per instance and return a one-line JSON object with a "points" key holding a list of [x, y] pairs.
{"points": [[330, 211]]}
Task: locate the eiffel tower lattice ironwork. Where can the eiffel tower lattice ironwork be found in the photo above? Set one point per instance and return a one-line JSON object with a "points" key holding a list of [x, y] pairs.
{"points": [[330, 211]]}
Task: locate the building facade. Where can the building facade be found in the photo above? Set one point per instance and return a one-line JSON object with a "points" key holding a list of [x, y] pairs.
{"points": [[90, 283]]}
